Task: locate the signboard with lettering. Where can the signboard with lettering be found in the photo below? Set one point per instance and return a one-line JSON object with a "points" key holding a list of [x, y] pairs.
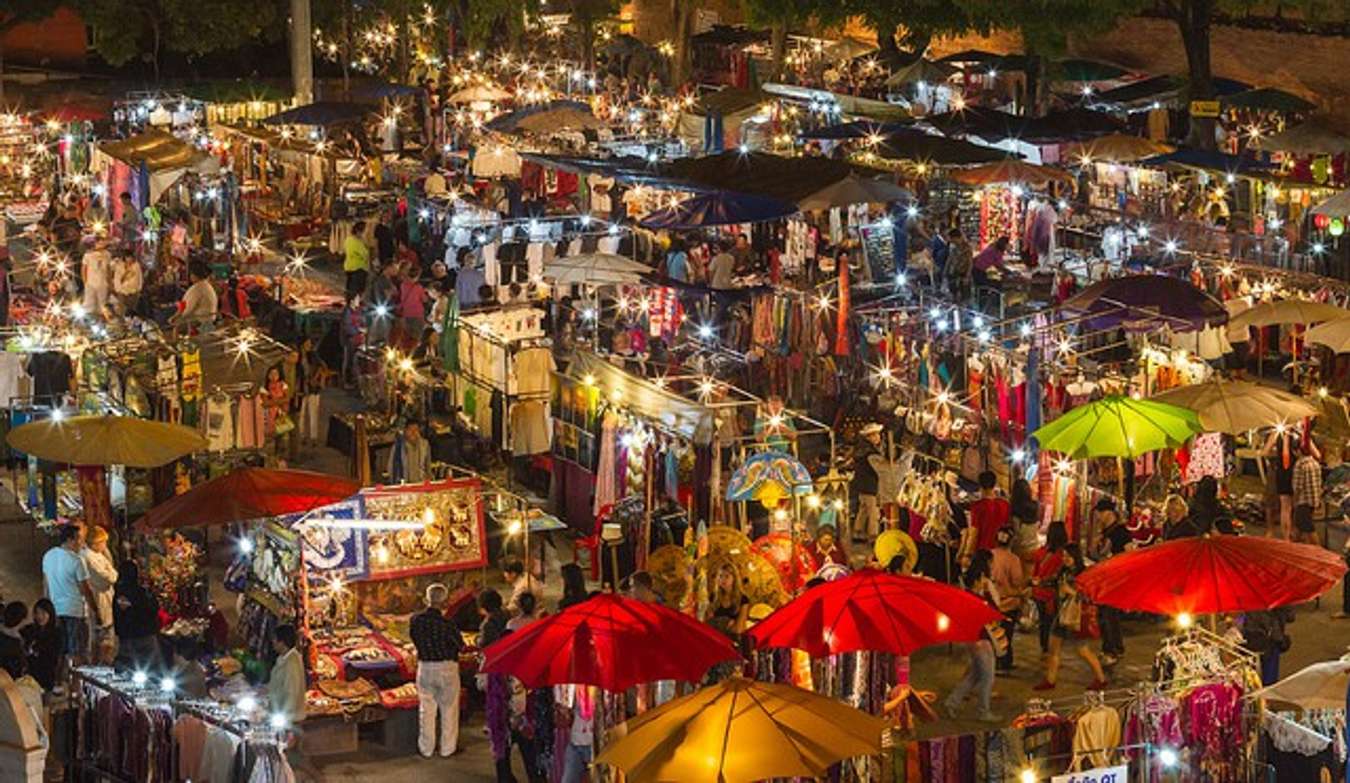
{"points": [[878, 246], [1204, 108], [1117, 774]]}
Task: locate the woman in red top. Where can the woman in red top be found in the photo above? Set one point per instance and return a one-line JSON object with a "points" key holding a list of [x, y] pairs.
{"points": [[1049, 561]]}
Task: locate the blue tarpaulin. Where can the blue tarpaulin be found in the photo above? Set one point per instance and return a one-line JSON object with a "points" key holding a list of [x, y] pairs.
{"points": [[1207, 159], [721, 208], [322, 113]]}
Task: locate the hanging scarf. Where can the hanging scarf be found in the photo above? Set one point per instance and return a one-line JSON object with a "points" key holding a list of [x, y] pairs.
{"points": [[841, 322]]}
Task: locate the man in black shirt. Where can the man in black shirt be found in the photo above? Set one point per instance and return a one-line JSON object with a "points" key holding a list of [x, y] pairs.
{"points": [[1115, 539], [438, 644]]}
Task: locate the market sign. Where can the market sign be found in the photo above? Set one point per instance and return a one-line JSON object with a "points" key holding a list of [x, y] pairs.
{"points": [[1204, 108], [1116, 774]]}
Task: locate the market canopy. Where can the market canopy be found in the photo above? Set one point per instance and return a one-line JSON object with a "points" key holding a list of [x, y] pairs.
{"points": [[1209, 160], [247, 494], [654, 403], [1336, 206], [977, 56], [1079, 70], [927, 148], [739, 731], [1267, 99], [559, 119], [1318, 136], [719, 208], [1115, 148], [759, 173], [322, 114], [106, 440], [1118, 426], [165, 158], [511, 120], [1012, 172], [595, 269], [854, 189], [1213, 574], [1236, 407], [1147, 301], [920, 70], [995, 126], [853, 130], [479, 93]]}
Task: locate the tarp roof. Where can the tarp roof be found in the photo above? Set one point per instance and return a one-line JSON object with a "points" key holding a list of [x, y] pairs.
{"points": [[159, 151], [939, 150], [1317, 136], [857, 129], [727, 35], [629, 169], [645, 398], [321, 113], [1209, 160], [1269, 98], [718, 208], [995, 125], [729, 101], [510, 120], [761, 173], [1158, 88]]}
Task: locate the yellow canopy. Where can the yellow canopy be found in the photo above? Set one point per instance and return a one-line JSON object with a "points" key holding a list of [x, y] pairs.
{"points": [[106, 440], [1115, 148], [743, 730], [1012, 172]]}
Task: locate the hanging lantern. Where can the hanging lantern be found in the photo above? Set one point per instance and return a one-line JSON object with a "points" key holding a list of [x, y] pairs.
{"points": [[1337, 227], [1320, 222]]}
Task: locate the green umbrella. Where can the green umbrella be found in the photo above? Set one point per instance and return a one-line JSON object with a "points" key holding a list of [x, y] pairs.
{"points": [[1118, 426]]}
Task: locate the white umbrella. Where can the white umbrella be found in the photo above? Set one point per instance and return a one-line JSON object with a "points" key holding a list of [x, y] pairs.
{"points": [[854, 189], [1237, 406], [1336, 206], [595, 269], [1318, 687], [1288, 311], [498, 161], [480, 93], [1333, 334]]}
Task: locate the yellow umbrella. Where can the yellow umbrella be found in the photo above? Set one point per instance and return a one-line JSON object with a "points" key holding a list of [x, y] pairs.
{"points": [[1115, 148], [1333, 334], [1288, 311], [743, 730], [1237, 406], [106, 440]]}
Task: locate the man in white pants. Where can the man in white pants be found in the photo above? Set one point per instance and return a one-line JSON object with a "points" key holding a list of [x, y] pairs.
{"points": [[438, 644]]}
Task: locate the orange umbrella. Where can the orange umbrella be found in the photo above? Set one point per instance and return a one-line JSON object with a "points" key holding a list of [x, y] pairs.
{"points": [[1116, 148], [1013, 172], [246, 494]]}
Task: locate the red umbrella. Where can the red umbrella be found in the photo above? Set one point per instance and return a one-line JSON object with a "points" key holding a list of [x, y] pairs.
{"points": [[610, 642], [874, 610], [249, 493], [1212, 574]]}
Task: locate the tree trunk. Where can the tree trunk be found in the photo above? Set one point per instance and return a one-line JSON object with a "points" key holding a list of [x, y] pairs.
{"points": [[890, 50], [1034, 103], [1193, 18], [348, 50], [587, 33], [684, 24], [778, 39], [2, 68]]}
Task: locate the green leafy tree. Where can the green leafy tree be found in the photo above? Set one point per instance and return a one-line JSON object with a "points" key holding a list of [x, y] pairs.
{"points": [[14, 13], [127, 29], [780, 16], [586, 16]]}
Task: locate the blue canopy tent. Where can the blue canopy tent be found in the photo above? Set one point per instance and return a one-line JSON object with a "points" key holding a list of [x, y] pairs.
{"points": [[857, 129], [321, 113], [719, 208], [1209, 160]]}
